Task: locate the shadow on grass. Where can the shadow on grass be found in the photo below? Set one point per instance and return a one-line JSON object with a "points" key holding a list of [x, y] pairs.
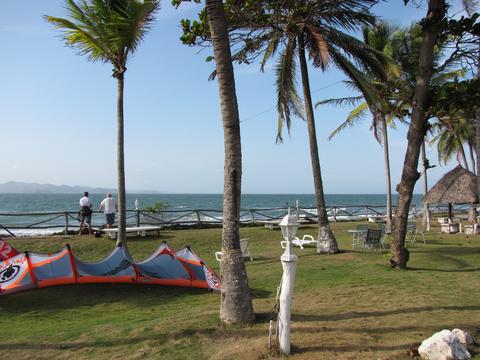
{"points": [[81, 295], [445, 270], [451, 250], [152, 237], [80, 345], [356, 315], [260, 293], [262, 260], [351, 348]]}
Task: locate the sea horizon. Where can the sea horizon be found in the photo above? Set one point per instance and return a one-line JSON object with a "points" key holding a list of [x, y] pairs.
{"points": [[23, 209]]}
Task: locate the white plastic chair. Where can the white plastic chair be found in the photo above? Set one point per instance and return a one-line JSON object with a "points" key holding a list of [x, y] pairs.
{"points": [[243, 248], [305, 241]]}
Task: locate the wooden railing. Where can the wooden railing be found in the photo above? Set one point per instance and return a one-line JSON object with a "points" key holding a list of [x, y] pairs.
{"points": [[65, 221]]}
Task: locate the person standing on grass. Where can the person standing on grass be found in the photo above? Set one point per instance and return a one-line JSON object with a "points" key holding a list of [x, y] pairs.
{"points": [[85, 213], [109, 208]]}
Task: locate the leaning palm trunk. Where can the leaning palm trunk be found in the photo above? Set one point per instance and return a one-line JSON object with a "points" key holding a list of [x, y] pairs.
{"points": [[387, 172], [463, 157], [472, 158], [426, 208], [326, 240], [416, 131], [477, 128], [236, 304], [121, 164]]}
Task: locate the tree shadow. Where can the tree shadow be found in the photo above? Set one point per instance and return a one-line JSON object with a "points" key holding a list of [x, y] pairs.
{"points": [[451, 250], [357, 315], [149, 238], [351, 348], [445, 270], [80, 345], [260, 293], [73, 296]]}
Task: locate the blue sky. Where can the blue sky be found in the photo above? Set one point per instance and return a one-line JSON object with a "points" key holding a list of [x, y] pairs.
{"points": [[58, 116]]}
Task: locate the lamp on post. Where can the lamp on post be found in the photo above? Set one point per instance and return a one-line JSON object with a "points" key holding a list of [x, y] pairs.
{"points": [[289, 226]]}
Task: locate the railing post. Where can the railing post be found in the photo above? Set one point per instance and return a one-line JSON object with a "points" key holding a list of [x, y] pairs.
{"points": [[253, 216], [199, 220], [66, 222], [335, 214], [366, 213], [137, 213]]}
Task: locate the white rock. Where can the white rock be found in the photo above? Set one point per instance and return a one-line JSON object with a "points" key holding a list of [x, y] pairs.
{"points": [[464, 337], [443, 345]]}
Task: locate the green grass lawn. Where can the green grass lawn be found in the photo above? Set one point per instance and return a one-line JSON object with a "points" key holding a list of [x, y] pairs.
{"points": [[346, 306]]}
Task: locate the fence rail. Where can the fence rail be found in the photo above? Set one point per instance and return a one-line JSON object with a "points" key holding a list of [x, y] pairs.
{"points": [[65, 221]]}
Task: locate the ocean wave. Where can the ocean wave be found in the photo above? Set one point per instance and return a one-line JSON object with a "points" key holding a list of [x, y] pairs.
{"points": [[32, 232]]}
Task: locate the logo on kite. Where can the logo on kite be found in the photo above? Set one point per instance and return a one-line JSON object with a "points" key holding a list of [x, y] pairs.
{"points": [[9, 273], [7, 251], [212, 280], [123, 265]]}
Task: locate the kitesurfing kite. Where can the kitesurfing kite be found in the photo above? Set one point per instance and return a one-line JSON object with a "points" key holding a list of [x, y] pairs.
{"points": [[23, 271]]}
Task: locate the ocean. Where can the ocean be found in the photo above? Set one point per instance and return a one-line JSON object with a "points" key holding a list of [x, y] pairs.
{"points": [[69, 202], [11, 204]]}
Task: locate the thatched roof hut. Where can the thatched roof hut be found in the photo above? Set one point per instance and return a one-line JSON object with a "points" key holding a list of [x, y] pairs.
{"points": [[458, 186]]}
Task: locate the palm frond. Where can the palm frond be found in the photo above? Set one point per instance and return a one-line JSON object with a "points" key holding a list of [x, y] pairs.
{"points": [[269, 52], [439, 79], [355, 115], [351, 101], [361, 82], [317, 46], [288, 101], [81, 40], [135, 21]]}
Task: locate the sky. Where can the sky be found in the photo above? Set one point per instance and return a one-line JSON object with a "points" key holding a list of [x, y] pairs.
{"points": [[58, 115]]}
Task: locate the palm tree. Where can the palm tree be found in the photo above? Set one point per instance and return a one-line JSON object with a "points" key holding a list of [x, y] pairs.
{"points": [[451, 133], [316, 28], [259, 28], [380, 107], [236, 304], [406, 46], [431, 27], [470, 7], [109, 31]]}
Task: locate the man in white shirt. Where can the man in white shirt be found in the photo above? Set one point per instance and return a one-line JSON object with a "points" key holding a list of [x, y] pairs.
{"points": [[109, 207], [85, 213]]}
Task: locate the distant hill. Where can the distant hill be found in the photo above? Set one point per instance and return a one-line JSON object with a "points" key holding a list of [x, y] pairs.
{"points": [[14, 187]]}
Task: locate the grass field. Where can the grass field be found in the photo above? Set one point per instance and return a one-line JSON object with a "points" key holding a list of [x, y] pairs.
{"points": [[346, 306]]}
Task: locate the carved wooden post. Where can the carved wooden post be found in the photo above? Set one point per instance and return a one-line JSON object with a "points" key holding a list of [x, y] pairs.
{"points": [[66, 222], [137, 212]]}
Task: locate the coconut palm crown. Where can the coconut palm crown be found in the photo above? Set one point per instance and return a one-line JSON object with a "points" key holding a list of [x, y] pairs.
{"points": [[106, 30]]}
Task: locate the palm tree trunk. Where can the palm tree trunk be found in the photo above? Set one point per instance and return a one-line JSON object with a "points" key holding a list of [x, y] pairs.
{"points": [[472, 158], [431, 26], [121, 236], [236, 303], [477, 128], [426, 208], [387, 172], [326, 240], [463, 157]]}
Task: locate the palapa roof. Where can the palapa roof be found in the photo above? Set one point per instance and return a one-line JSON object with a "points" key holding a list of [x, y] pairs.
{"points": [[456, 186]]}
